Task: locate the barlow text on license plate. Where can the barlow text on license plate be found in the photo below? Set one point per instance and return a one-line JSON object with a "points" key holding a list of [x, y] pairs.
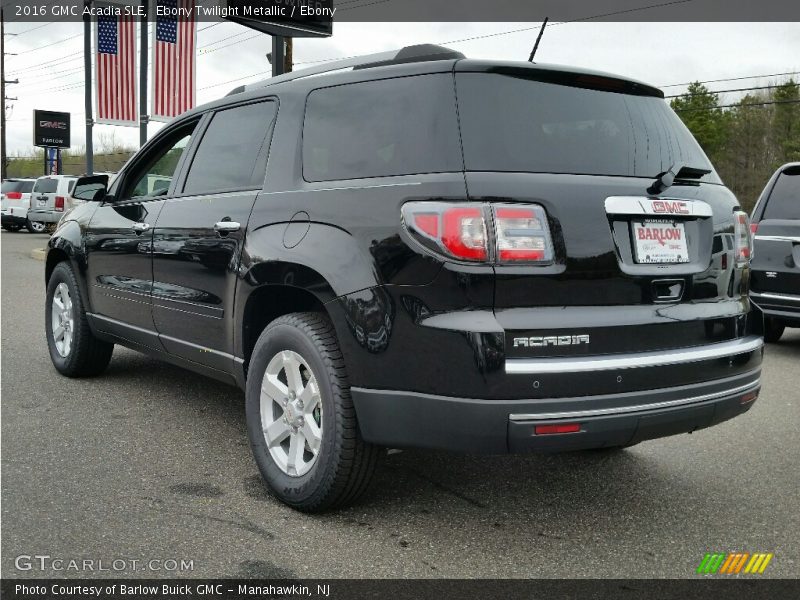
{"points": [[660, 242]]}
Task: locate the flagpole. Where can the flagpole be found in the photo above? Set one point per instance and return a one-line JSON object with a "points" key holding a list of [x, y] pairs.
{"points": [[87, 73], [143, 77]]}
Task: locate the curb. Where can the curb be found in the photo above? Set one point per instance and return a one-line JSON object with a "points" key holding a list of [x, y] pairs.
{"points": [[38, 253]]}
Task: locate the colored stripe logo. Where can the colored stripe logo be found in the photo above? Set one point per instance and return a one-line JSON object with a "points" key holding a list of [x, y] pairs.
{"points": [[721, 563]]}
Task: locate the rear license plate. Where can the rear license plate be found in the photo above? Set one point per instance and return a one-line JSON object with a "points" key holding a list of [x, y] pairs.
{"points": [[659, 241]]}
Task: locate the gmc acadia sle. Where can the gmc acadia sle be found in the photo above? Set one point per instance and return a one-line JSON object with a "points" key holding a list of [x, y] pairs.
{"points": [[420, 250]]}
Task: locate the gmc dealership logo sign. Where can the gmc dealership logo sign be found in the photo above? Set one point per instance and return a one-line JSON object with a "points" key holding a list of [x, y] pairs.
{"points": [[670, 207], [50, 129]]}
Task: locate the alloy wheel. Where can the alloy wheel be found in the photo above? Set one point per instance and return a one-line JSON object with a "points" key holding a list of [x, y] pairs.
{"points": [[291, 413], [62, 322]]}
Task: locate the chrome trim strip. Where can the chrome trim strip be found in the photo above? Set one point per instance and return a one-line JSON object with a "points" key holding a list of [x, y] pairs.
{"points": [[775, 296], [549, 366], [778, 238], [642, 205], [638, 408]]}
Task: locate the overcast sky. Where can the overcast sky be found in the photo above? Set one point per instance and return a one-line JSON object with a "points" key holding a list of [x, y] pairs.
{"points": [[657, 53]]}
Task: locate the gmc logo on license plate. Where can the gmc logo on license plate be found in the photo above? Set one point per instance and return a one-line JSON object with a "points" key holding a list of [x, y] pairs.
{"points": [[671, 207]]}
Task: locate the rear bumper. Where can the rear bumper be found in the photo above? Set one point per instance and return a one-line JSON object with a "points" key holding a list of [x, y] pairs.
{"points": [[409, 419], [16, 218], [779, 306], [44, 216]]}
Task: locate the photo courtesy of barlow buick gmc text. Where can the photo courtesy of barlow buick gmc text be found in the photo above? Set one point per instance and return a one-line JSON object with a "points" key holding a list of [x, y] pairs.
{"points": [[425, 299]]}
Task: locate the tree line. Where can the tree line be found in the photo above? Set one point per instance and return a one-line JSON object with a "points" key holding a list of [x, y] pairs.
{"points": [[748, 140]]}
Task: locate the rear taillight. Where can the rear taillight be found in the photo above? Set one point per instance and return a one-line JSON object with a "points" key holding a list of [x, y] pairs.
{"points": [[499, 233], [522, 233], [14, 195], [742, 240], [60, 203]]}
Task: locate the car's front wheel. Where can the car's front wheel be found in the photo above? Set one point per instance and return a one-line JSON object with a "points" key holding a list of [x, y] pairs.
{"points": [[773, 330], [36, 226], [300, 417], [74, 350]]}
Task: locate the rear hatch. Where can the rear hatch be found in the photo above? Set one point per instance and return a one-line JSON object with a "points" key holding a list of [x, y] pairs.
{"points": [[15, 195], [43, 196], [776, 260], [632, 270]]}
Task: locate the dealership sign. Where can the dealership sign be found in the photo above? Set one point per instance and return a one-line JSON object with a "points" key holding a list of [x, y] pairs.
{"points": [[50, 129]]}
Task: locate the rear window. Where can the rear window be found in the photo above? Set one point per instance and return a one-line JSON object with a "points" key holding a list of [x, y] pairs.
{"points": [[509, 123], [17, 186], [400, 126], [46, 186], [784, 201]]}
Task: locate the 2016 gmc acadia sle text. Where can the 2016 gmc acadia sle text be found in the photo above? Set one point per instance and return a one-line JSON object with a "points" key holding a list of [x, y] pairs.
{"points": [[421, 250]]}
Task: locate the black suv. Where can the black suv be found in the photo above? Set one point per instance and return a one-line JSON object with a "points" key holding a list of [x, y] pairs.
{"points": [[420, 250], [776, 258]]}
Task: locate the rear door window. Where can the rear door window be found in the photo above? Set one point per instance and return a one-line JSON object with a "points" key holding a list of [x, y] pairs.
{"points": [[46, 186], [784, 201], [23, 187], [381, 128], [232, 154], [514, 123]]}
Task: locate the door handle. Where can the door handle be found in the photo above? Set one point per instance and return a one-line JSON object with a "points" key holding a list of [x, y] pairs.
{"points": [[140, 227], [226, 226]]}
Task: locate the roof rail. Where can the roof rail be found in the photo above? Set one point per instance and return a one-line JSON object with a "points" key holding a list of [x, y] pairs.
{"points": [[409, 54]]}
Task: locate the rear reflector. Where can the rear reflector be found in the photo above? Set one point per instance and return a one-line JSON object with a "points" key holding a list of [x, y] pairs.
{"points": [[560, 428], [748, 398], [59, 202], [14, 195]]}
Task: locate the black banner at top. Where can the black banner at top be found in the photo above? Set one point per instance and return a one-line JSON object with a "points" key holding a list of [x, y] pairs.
{"points": [[315, 13]]}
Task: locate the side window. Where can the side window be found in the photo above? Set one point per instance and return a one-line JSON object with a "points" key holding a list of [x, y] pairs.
{"points": [[784, 201], [233, 152], [381, 128], [71, 185], [154, 176]]}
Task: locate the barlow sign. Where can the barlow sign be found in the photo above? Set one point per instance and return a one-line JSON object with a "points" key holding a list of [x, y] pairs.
{"points": [[50, 129]]}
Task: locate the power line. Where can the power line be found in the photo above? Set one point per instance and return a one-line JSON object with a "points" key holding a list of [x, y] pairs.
{"points": [[50, 44], [731, 79], [749, 89]]}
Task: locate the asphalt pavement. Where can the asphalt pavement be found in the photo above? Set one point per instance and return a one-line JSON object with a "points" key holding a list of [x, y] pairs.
{"points": [[150, 462]]}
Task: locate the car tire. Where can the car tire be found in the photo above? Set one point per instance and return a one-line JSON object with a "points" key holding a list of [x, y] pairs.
{"points": [[773, 330], [339, 472], [36, 226], [74, 350]]}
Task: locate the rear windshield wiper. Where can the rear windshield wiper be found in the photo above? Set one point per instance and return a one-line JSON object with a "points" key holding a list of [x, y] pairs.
{"points": [[676, 171]]}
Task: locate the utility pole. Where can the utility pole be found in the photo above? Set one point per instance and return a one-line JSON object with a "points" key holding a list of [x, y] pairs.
{"points": [[87, 74], [143, 117], [3, 82], [278, 55], [287, 62]]}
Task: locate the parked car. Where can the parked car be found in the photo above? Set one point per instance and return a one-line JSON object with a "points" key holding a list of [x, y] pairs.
{"points": [[776, 259], [50, 199], [15, 199], [420, 250]]}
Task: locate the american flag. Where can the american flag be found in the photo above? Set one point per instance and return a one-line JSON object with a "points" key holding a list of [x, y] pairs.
{"points": [[174, 62], [115, 62]]}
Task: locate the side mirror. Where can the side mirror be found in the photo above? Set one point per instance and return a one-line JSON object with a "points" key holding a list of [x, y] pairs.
{"points": [[92, 188]]}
